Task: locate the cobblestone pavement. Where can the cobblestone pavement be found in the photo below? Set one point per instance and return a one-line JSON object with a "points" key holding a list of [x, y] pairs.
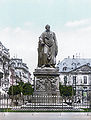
{"points": [[45, 116]]}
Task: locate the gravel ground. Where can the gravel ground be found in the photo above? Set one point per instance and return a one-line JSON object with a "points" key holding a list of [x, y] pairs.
{"points": [[45, 116]]}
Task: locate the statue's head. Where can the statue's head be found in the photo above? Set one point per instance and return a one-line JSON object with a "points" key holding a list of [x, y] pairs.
{"points": [[47, 27]]}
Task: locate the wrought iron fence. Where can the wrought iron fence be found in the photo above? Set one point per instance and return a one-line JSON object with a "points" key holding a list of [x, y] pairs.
{"points": [[82, 99]]}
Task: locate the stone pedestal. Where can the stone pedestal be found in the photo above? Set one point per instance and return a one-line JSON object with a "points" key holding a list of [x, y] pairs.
{"points": [[46, 84]]}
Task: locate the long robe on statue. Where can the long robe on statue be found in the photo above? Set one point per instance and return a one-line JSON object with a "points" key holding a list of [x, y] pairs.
{"points": [[47, 49]]}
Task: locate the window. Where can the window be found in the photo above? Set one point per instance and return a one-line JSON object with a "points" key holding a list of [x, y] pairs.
{"points": [[19, 64], [0, 82], [64, 63], [85, 88], [88, 64], [85, 79], [64, 68], [13, 64], [20, 74], [65, 80], [78, 63], [74, 79], [72, 64]]}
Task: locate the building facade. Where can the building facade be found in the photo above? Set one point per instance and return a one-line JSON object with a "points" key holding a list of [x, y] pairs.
{"points": [[77, 73], [4, 69], [19, 71], [12, 70]]}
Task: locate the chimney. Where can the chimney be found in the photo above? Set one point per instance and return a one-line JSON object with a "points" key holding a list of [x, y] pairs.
{"points": [[73, 56], [68, 57]]}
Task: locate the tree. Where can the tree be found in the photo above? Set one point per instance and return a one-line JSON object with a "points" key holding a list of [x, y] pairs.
{"points": [[27, 89], [66, 91], [14, 90], [21, 84]]}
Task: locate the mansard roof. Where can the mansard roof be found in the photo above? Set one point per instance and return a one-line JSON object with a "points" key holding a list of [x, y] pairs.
{"points": [[70, 64]]}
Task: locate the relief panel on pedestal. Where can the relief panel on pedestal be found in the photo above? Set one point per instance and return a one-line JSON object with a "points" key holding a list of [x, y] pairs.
{"points": [[47, 84]]}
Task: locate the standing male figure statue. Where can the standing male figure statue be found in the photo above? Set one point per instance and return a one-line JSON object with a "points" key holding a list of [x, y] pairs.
{"points": [[47, 48]]}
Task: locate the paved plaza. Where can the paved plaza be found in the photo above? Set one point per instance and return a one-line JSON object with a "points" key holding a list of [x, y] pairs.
{"points": [[45, 116]]}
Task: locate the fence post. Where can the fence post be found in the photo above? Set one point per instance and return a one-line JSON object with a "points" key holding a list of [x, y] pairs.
{"points": [[62, 102], [7, 102]]}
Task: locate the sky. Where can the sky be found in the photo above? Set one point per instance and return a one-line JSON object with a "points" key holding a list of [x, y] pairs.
{"points": [[23, 21]]}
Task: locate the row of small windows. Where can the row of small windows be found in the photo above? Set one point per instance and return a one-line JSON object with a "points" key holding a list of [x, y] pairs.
{"points": [[14, 64], [72, 63], [74, 79], [84, 79], [75, 63]]}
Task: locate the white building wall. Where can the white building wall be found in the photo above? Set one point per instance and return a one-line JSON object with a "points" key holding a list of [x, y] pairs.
{"points": [[21, 69], [61, 79], [89, 77], [4, 65]]}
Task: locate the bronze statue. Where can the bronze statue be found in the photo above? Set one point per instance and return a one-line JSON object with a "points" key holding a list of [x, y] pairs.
{"points": [[47, 48]]}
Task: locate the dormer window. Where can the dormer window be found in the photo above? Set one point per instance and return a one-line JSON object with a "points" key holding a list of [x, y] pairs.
{"points": [[78, 63], [73, 63], [13, 64], [19, 64], [88, 64], [64, 68], [64, 63]]}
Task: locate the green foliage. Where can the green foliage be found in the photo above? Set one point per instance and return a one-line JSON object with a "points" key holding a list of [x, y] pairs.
{"points": [[21, 84], [27, 89], [66, 90], [14, 90]]}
